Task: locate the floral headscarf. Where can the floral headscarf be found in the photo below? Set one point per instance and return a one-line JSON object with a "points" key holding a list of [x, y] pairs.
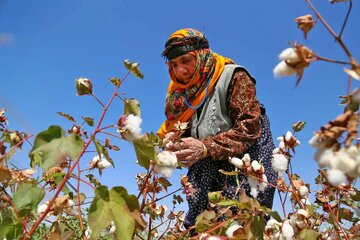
{"points": [[182, 100]]}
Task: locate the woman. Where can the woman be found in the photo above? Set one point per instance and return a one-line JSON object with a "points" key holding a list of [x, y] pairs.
{"points": [[218, 99]]}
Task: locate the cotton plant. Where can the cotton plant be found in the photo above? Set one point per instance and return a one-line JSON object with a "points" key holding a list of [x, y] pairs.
{"points": [[254, 171]]}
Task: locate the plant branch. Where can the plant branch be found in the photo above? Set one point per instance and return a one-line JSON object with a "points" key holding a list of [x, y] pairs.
{"points": [[332, 32], [346, 19]]}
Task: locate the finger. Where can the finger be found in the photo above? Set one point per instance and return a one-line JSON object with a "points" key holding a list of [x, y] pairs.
{"points": [[182, 154]]}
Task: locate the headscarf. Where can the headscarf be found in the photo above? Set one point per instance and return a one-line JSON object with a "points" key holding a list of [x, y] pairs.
{"points": [[182, 100]]}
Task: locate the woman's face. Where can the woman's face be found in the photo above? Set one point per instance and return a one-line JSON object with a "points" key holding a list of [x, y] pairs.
{"points": [[184, 67]]}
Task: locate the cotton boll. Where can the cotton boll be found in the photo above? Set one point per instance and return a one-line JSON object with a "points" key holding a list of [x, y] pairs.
{"points": [[288, 136], [287, 231], [42, 208], [253, 182], [254, 192], [279, 163], [344, 163], [112, 228], [230, 231], [165, 171], [246, 158], [237, 162], [255, 165], [167, 158], [282, 146], [303, 191], [132, 127], [88, 233], [324, 157], [263, 185], [336, 177], [289, 54], [283, 70]]}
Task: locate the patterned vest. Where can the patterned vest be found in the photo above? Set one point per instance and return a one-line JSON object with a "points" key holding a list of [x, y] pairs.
{"points": [[214, 117]]}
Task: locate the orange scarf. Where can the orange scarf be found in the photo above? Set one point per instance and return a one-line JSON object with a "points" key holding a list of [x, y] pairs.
{"points": [[186, 115]]}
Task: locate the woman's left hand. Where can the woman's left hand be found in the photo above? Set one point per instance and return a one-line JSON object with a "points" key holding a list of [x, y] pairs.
{"points": [[189, 150]]}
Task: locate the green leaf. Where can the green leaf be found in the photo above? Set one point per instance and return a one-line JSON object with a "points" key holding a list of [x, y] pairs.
{"points": [[275, 215], [10, 228], [114, 205], [257, 227], [89, 121], [308, 234], [67, 116], [132, 106], [27, 197], [51, 147], [145, 151]]}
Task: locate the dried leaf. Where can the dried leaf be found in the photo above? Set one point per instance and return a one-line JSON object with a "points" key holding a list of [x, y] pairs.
{"points": [[134, 68], [305, 23], [116, 81], [67, 116], [5, 174], [164, 182], [233, 173]]}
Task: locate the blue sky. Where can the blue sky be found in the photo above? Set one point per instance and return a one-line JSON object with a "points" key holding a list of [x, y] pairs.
{"points": [[48, 44]]}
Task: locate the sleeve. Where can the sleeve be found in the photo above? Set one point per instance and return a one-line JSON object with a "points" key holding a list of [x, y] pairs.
{"points": [[245, 111]]}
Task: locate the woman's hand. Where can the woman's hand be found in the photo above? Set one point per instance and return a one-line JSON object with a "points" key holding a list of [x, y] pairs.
{"points": [[189, 150]]}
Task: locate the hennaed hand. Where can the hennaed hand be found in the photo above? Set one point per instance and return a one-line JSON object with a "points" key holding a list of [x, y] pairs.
{"points": [[189, 150]]}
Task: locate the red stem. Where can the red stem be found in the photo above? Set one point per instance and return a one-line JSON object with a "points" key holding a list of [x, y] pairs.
{"points": [[68, 175]]}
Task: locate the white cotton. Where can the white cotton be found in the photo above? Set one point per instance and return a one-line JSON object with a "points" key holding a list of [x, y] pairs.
{"points": [[253, 182], [287, 231], [336, 177], [303, 191], [101, 162], [132, 126], [279, 163], [88, 233], [237, 162], [271, 224], [280, 139], [213, 238], [112, 228], [254, 192], [283, 70], [305, 201], [289, 54], [42, 208], [288, 136], [302, 212], [246, 158], [255, 165], [324, 156], [167, 159], [263, 184], [276, 151], [315, 141], [344, 162], [230, 231], [71, 203], [282, 146], [165, 171]]}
